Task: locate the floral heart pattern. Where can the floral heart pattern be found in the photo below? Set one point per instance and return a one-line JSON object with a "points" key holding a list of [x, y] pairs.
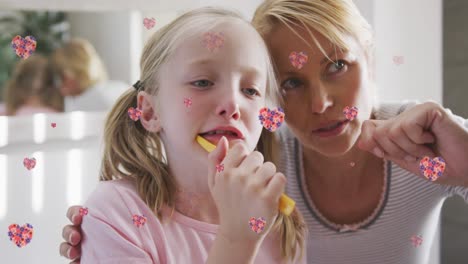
{"points": [[29, 163], [398, 60], [188, 102], [416, 240], [271, 119], [20, 235], [350, 112], [432, 169], [149, 22], [257, 224], [213, 41], [83, 211], [24, 47], [139, 220], [134, 113], [298, 59], [219, 167], [53, 125]]}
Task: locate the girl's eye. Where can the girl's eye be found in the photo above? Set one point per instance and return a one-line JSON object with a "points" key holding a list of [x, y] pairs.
{"points": [[202, 83], [291, 83], [339, 65]]}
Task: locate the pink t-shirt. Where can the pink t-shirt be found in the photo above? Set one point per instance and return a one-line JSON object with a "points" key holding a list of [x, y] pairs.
{"points": [[109, 235]]}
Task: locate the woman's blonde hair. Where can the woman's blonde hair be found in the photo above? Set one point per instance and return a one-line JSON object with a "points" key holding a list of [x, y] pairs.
{"points": [[133, 152], [32, 77], [78, 59], [334, 19]]}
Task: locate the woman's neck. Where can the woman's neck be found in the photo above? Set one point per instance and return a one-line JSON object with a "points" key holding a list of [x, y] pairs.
{"points": [[33, 101], [346, 174]]}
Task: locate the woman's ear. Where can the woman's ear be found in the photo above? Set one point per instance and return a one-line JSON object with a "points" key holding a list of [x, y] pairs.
{"points": [[149, 116]]}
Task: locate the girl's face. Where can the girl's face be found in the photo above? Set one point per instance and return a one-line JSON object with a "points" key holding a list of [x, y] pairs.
{"points": [[208, 87], [316, 94]]}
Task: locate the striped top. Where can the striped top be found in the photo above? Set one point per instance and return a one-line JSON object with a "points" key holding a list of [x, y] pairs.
{"points": [[410, 206]]}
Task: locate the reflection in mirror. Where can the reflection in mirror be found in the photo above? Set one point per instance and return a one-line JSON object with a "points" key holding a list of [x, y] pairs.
{"points": [[93, 57]]}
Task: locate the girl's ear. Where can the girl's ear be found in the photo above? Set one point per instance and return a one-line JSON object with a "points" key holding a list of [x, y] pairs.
{"points": [[149, 116]]}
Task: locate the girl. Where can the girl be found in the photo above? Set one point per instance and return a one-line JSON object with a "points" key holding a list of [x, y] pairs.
{"points": [[360, 207], [142, 212], [31, 88]]}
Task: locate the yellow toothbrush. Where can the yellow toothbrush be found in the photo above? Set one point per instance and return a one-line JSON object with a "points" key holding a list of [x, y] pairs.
{"points": [[286, 204]]}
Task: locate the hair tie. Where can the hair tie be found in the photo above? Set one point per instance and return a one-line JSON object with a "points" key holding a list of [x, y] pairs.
{"points": [[138, 85]]}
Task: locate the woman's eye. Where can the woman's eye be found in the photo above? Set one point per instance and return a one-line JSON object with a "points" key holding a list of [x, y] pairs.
{"points": [[291, 83], [251, 91], [202, 83], [338, 66]]}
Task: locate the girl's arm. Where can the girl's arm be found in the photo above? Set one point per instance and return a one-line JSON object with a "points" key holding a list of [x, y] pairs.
{"points": [[232, 252], [246, 187]]}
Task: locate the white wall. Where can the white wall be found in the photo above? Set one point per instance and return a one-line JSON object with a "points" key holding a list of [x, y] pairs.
{"points": [[412, 29], [111, 34]]}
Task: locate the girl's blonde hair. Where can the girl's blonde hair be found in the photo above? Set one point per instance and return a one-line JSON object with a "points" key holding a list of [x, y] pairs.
{"points": [[133, 152], [78, 59], [334, 19], [32, 77]]}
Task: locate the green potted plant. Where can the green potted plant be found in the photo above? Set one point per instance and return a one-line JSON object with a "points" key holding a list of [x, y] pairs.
{"points": [[50, 29]]}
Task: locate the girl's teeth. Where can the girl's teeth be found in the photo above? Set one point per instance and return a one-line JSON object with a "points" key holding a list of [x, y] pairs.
{"points": [[221, 132]]}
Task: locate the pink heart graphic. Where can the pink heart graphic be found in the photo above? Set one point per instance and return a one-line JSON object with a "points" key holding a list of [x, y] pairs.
{"points": [[271, 119], [29, 163], [257, 225], [416, 240], [149, 23], [432, 169], [139, 220], [220, 167], [298, 59], [188, 102], [134, 113], [398, 60], [53, 125], [213, 41], [350, 112], [20, 235], [83, 211], [24, 47]]}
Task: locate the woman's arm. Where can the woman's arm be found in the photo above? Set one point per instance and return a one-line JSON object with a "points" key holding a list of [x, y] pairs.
{"points": [[426, 129], [71, 248]]}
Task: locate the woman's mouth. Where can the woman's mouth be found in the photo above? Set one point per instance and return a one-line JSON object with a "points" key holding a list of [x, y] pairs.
{"points": [[334, 129]]}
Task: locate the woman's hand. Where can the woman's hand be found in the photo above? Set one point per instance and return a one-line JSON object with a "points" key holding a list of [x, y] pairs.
{"points": [[71, 249], [424, 130], [247, 187]]}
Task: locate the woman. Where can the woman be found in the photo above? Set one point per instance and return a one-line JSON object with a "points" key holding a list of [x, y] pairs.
{"points": [[82, 78], [31, 89], [357, 182]]}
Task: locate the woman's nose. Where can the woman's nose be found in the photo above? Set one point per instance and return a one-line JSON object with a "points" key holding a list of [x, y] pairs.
{"points": [[320, 100]]}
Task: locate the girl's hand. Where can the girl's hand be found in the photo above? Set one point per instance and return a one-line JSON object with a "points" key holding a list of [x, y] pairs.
{"points": [[71, 249], [246, 188], [424, 130]]}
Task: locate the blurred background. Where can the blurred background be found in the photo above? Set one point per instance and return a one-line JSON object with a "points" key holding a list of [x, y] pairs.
{"points": [[422, 54]]}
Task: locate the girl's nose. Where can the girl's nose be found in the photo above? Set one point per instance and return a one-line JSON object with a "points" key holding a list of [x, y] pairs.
{"points": [[229, 109]]}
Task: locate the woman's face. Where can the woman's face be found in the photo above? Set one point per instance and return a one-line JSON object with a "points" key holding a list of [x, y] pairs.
{"points": [[316, 94]]}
